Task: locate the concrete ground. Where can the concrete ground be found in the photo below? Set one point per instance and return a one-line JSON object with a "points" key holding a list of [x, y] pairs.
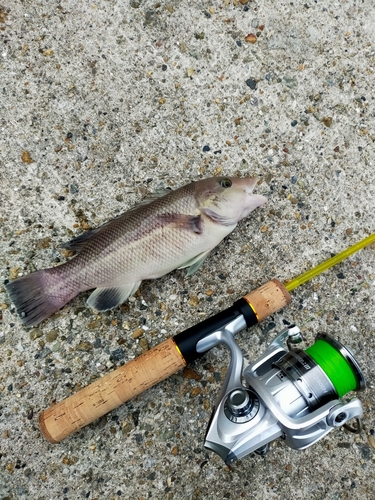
{"points": [[103, 102]]}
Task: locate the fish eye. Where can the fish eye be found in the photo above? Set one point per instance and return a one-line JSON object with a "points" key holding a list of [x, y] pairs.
{"points": [[225, 183]]}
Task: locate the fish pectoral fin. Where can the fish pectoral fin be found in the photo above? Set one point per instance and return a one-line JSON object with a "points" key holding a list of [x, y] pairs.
{"points": [[103, 299], [182, 221], [195, 263]]}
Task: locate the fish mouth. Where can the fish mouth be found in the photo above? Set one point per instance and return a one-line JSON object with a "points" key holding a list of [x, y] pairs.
{"points": [[253, 201], [257, 200], [251, 184]]}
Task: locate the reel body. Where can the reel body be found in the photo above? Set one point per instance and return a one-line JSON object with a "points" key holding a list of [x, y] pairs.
{"points": [[289, 393]]}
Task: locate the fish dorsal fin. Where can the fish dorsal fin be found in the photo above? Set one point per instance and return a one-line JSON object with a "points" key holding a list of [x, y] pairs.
{"points": [[150, 197], [76, 244]]}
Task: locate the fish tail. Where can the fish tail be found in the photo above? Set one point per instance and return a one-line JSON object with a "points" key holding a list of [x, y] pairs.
{"points": [[38, 295]]}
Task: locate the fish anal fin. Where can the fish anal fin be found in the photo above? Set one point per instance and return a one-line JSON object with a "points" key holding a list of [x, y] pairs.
{"points": [[103, 299]]}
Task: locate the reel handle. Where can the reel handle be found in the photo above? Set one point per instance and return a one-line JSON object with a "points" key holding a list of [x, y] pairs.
{"points": [[110, 391]]}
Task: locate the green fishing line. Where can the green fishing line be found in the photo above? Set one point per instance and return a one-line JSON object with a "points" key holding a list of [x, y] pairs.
{"points": [[334, 365]]}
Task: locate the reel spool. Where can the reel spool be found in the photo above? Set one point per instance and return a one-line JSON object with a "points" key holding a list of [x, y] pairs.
{"points": [[338, 363], [323, 372]]}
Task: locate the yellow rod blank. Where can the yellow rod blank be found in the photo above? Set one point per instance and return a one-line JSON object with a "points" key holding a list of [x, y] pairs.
{"points": [[308, 275]]}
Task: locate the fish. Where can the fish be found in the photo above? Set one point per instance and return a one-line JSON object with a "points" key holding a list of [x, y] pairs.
{"points": [[175, 230]]}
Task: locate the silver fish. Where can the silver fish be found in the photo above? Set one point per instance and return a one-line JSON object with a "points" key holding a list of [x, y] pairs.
{"points": [[148, 241]]}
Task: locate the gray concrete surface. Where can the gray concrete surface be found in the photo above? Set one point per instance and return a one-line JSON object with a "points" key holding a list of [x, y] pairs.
{"points": [[103, 102]]}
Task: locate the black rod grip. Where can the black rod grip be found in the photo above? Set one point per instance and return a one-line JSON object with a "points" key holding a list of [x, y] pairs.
{"points": [[187, 340]]}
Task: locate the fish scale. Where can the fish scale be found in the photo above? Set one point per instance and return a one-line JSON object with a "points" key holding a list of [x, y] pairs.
{"points": [[148, 241]]}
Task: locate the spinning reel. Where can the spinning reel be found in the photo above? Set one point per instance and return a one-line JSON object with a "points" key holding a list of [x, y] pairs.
{"points": [[290, 393]]}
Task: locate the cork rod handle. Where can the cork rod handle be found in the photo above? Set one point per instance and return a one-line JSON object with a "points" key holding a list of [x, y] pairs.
{"points": [[114, 389], [268, 299], [110, 391]]}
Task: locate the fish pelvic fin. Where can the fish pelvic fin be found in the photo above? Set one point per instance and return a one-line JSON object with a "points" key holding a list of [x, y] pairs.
{"points": [[35, 296], [195, 263], [103, 299]]}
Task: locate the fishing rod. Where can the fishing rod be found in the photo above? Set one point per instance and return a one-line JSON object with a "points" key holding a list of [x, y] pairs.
{"points": [[172, 355]]}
